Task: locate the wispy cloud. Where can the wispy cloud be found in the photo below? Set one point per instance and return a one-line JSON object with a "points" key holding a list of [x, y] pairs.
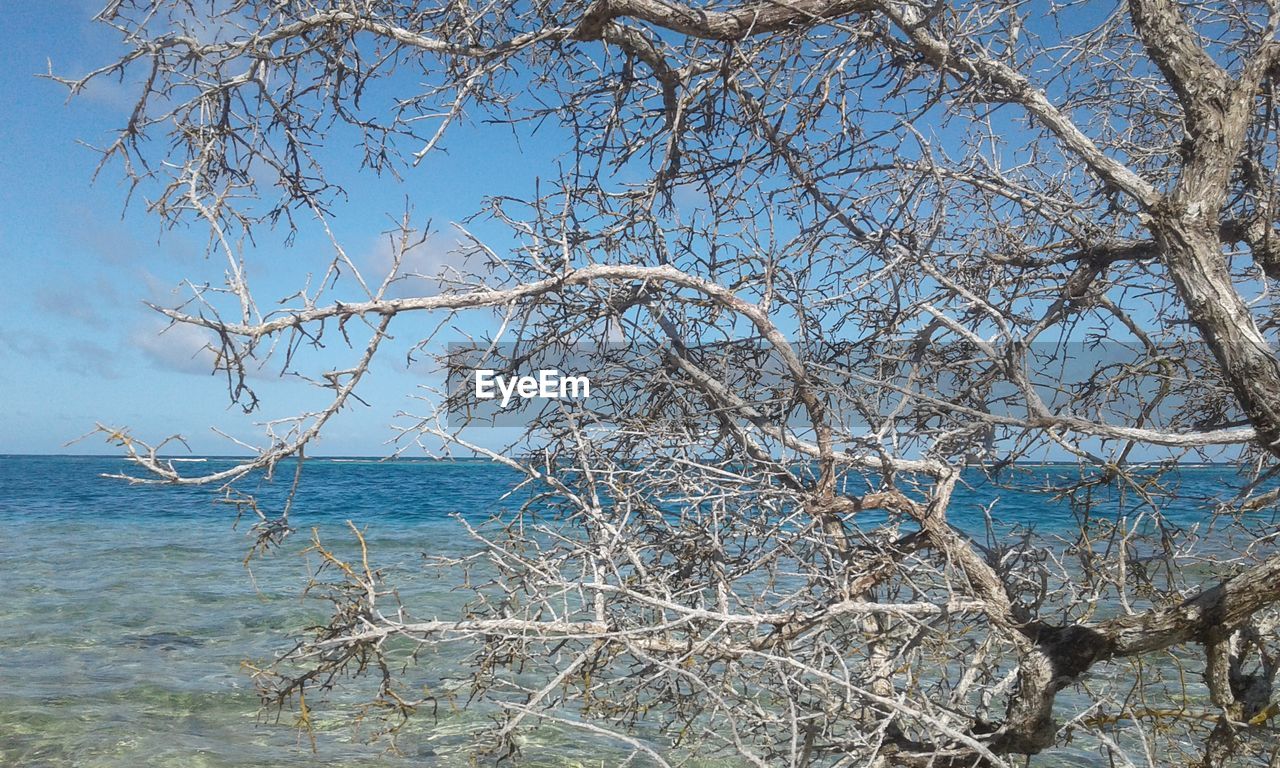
{"points": [[183, 348], [423, 271], [77, 355], [65, 301]]}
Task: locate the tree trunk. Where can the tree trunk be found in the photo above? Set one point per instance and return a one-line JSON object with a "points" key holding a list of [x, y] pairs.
{"points": [[1193, 254]]}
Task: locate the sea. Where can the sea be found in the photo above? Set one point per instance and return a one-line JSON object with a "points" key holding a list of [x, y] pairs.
{"points": [[131, 620]]}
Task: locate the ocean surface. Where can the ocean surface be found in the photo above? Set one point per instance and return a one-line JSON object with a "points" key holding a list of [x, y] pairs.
{"points": [[127, 613]]}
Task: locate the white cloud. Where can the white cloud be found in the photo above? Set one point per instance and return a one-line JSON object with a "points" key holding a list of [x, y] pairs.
{"points": [[181, 347], [424, 271]]}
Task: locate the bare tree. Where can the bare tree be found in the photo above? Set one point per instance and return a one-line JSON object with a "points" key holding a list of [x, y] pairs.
{"points": [[852, 246]]}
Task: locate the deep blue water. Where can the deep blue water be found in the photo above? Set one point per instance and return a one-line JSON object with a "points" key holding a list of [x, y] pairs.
{"points": [[126, 611]]}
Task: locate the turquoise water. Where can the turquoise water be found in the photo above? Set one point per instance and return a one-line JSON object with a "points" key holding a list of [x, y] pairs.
{"points": [[127, 612]]}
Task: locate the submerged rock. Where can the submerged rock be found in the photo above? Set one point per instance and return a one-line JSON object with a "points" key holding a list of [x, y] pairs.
{"points": [[164, 641]]}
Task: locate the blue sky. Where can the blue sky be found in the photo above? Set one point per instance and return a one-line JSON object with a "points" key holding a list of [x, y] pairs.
{"points": [[77, 344]]}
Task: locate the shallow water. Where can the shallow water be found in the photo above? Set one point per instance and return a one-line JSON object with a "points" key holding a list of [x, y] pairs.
{"points": [[127, 612]]}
